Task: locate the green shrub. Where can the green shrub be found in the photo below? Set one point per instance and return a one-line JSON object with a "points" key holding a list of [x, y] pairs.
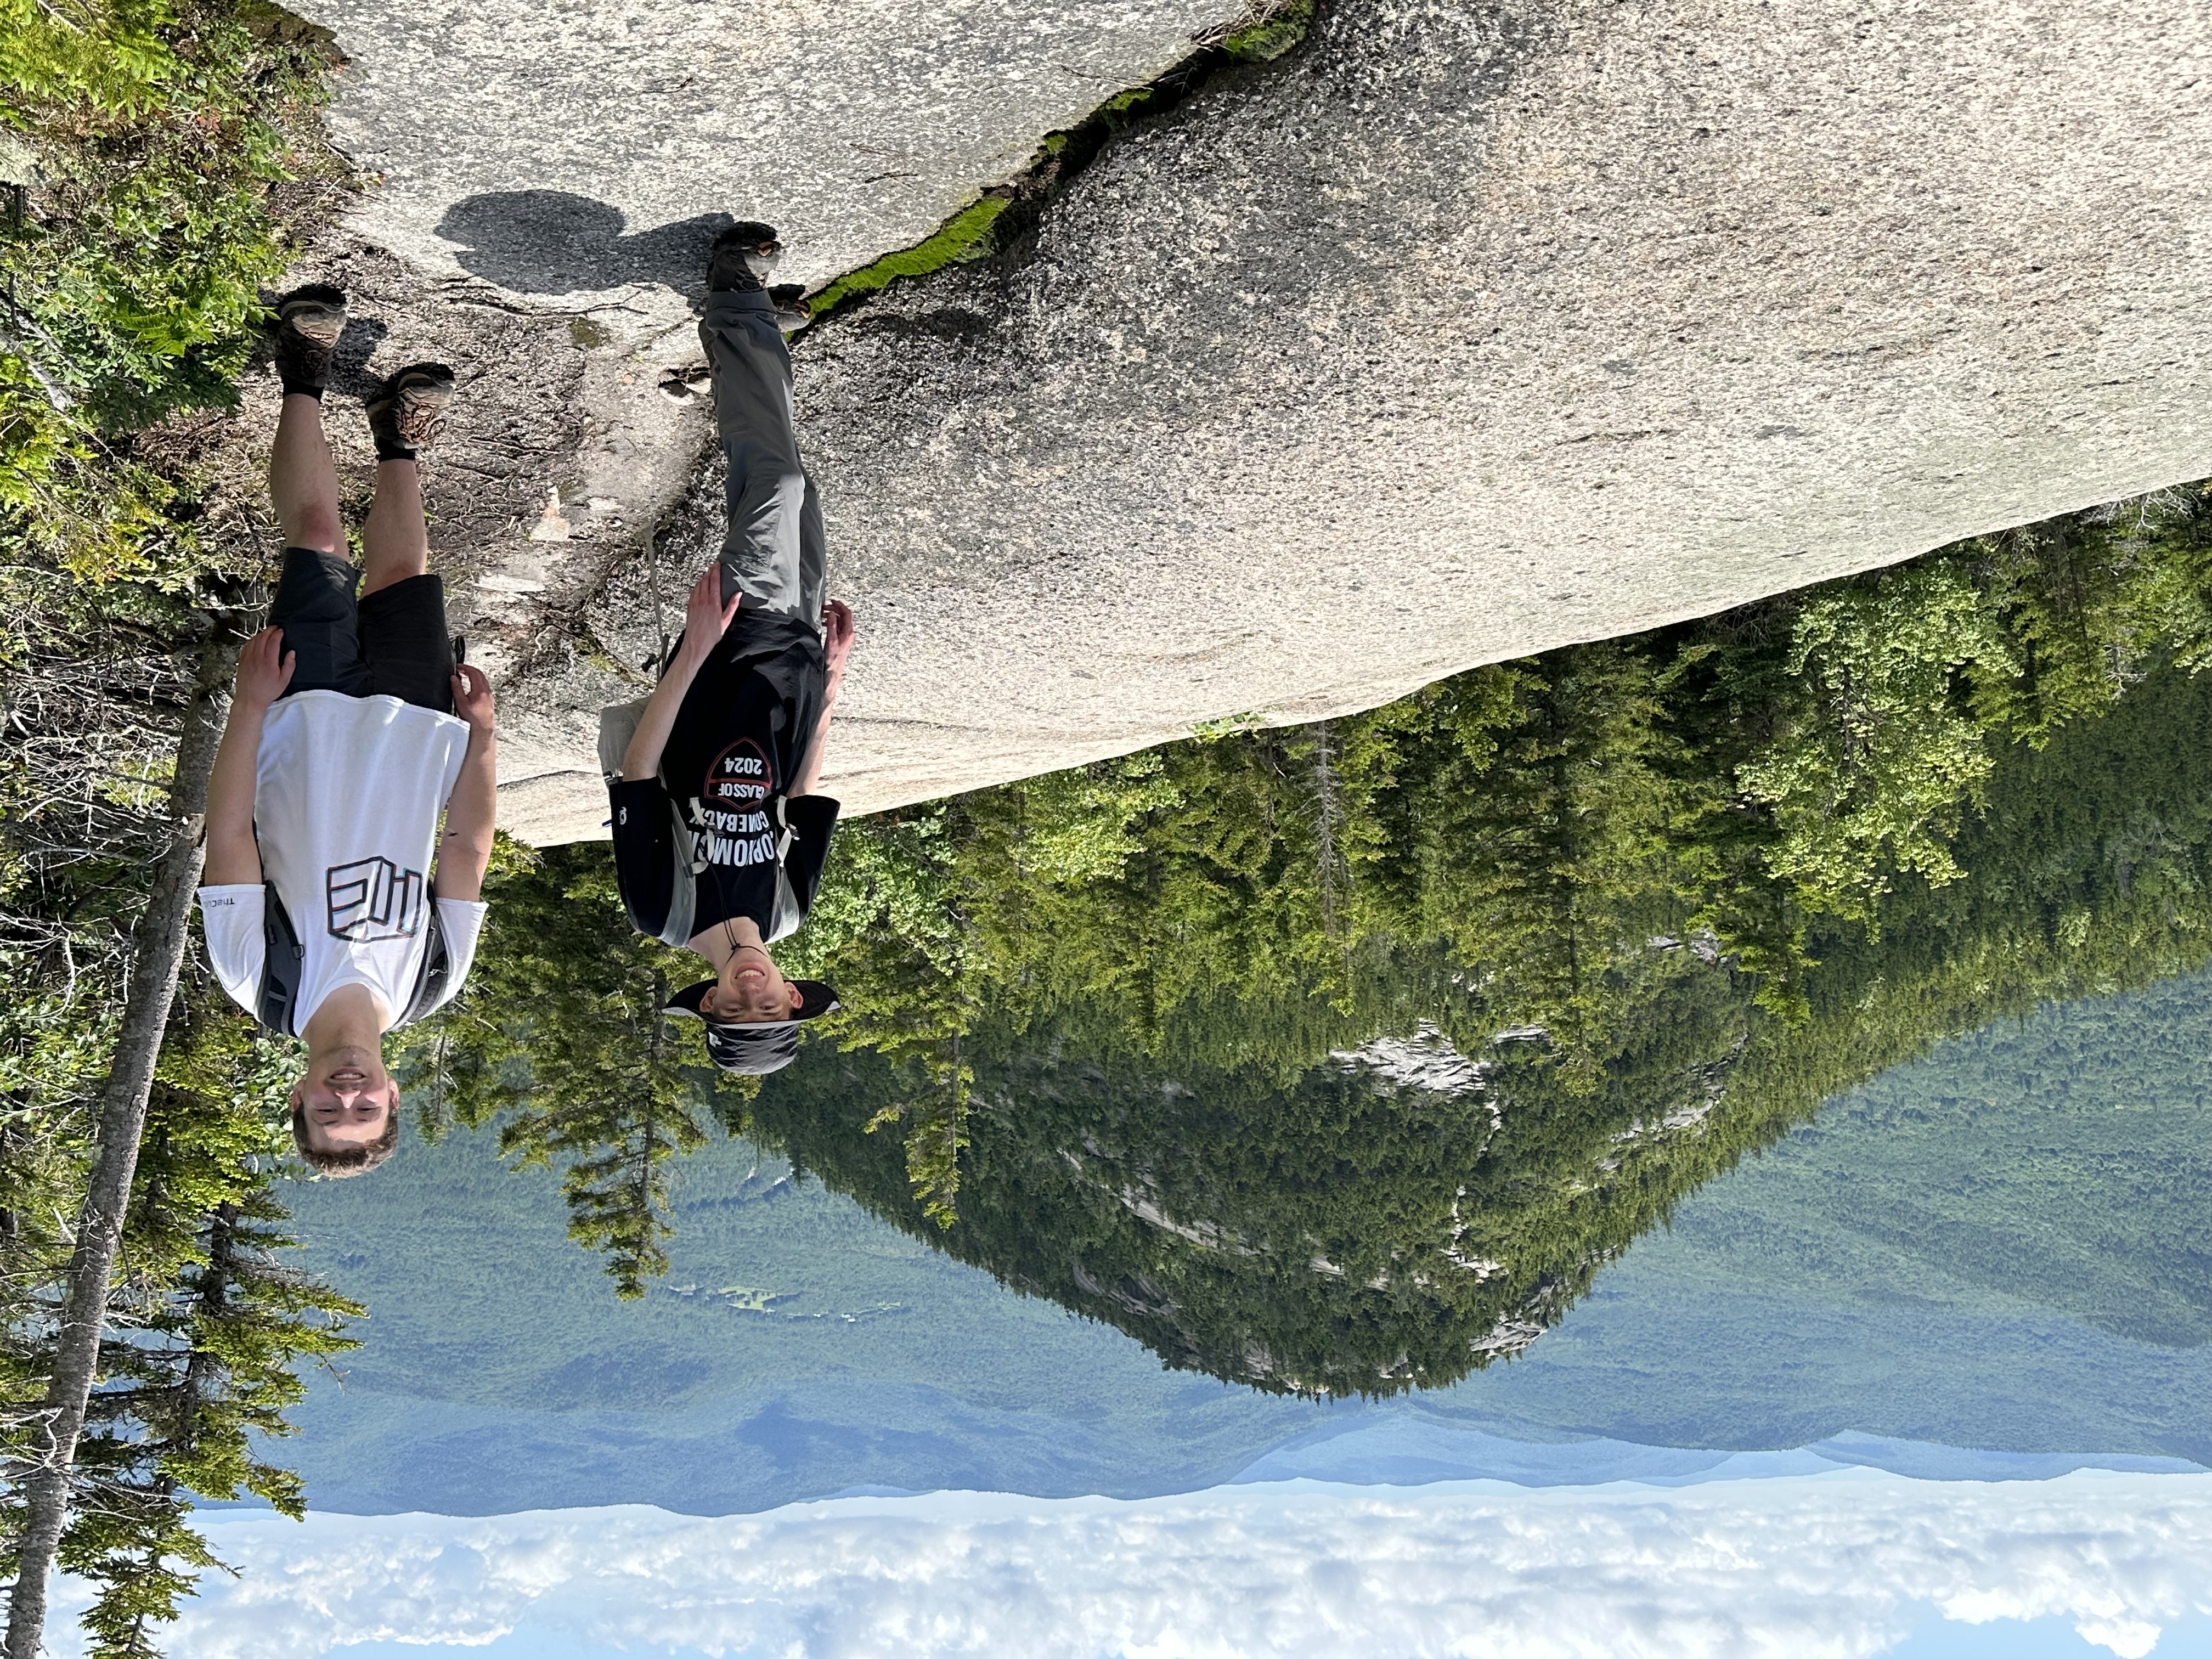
{"points": [[151, 143]]}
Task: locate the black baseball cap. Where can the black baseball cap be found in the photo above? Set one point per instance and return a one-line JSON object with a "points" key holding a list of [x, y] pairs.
{"points": [[754, 1048]]}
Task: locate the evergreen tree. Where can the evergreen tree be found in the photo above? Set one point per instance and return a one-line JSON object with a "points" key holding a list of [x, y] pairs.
{"points": [[608, 1097], [1885, 754], [1541, 837], [208, 1323], [212, 1324], [559, 1038], [213, 1363]]}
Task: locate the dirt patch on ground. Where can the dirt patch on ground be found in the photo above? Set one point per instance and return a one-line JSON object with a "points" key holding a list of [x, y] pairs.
{"points": [[511, 442], [559, 455]]}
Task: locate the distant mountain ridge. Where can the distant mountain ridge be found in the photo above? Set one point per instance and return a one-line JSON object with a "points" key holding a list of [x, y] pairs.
{"points": [[1401, 1449]]}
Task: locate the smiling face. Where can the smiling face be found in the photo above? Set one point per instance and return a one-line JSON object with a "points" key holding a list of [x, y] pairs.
{"points": [[346, 1100], [750, 989]]}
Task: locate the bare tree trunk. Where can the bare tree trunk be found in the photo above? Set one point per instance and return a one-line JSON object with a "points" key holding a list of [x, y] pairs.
{"points": [[157, 952]]}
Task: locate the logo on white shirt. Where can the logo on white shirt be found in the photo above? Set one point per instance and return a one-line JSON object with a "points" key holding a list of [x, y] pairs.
{"points": [[372, 899]]}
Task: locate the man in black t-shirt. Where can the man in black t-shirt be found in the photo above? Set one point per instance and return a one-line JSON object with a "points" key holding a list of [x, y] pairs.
{"points": [[719, 836]]}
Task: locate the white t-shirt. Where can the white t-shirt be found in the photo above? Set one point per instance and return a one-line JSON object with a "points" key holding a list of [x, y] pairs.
{"points": [[347, 796]]}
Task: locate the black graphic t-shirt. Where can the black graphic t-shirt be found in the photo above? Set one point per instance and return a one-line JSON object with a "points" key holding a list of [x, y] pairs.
{"points": [[739, 740]]}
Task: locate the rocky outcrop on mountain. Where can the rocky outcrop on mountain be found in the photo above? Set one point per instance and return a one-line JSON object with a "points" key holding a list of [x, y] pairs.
{"points": [[558, 172], [588, 153], [1459, 333]]}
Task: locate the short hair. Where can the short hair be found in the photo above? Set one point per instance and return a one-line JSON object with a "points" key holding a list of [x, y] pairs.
{"points": [[346, 1160]]}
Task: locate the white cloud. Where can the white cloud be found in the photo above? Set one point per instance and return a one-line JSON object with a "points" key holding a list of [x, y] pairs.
{"points": [[1805, 1568]]}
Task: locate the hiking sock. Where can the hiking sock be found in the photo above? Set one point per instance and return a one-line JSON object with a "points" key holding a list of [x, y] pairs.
{"points": [[792, 313]]}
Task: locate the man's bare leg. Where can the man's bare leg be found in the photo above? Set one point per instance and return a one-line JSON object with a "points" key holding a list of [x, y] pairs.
{"points": [[406, 415], [395, 543], [303, 483]]}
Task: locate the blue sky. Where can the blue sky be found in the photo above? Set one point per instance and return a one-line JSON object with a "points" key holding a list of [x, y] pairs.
{"points": [[1829, 1567]]}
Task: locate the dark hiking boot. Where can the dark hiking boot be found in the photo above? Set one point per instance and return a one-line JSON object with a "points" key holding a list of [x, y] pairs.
{"points": [[741, 257], [409, 413], [790, 301], [681, 385], [308, 323]]}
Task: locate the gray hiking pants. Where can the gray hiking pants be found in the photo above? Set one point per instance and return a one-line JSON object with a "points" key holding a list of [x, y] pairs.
{"points": [[773, 551]]}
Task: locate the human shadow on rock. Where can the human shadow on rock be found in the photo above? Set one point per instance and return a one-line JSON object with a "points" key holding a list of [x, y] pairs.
{"points": [[549, 241]]}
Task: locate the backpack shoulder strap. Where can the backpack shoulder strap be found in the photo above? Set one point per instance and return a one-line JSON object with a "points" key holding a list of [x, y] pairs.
{"points": [[280, 956], [617, 724], [431, 976], [784, 920]]}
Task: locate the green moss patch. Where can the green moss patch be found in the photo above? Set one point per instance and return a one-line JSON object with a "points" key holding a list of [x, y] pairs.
{"points": [[1267, 32], [1271, 32], [961, 237]]}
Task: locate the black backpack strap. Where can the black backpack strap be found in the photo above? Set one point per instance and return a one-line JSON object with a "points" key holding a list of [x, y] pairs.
{"points": [[787, 912], [431, 978], [280, 956]]}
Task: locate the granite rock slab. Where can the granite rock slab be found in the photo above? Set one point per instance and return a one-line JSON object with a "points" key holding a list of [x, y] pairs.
{"points": [[1461, 333]]}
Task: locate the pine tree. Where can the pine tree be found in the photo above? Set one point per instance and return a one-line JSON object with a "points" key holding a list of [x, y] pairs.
{"points": [[213, 1322], [212, 1363], [936, 1119], [1542, 838], [609, 1096], [559, 1039]]}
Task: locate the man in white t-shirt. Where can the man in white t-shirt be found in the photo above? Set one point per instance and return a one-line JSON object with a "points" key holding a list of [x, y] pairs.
{"points": [[334, 908]]}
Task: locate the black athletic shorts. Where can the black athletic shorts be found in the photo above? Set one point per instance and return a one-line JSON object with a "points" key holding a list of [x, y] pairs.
{"points": [[394, 643]]}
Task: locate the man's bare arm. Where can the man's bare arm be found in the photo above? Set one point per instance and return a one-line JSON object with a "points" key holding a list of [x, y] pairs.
{"points": [[706, 619], [472, 810], [836, 647], [234, 857], [810, 776], [642, 758]]}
